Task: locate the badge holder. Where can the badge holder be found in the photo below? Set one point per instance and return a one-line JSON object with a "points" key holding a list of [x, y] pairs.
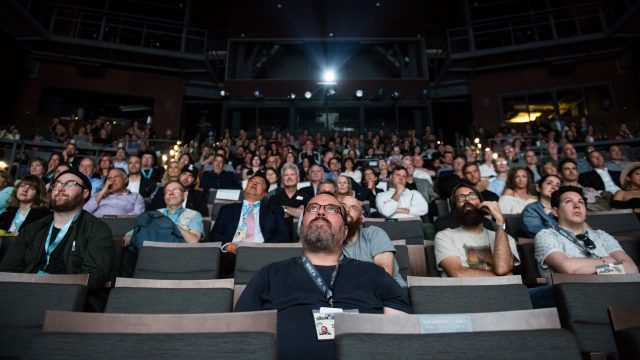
{"points": [[610, 269]]}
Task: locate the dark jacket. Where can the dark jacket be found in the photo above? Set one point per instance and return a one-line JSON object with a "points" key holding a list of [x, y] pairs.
{"points": [[593, 180], [274, 228], [147, 187], [35, 214], [224, 180], [92, 253], [196, 200]]}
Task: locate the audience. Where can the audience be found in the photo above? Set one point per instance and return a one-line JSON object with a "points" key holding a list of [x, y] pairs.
{"points": [[370, 244], [194, 199], [572, 247], [70, 241], [519, 191], [114, 198], [471, 250], [138, 183], [6, 188], [28, 202], [297, 294], [400, 202], [88, 167], [629, 196], [538, 215], [218, 178]]}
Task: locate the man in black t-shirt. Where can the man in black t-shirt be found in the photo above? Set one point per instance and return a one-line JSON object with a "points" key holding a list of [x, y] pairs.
{"points": [[293, 287]]}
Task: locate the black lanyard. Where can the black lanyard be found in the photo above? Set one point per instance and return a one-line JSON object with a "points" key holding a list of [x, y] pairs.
{"points": [[317, 279], [573, 239]]}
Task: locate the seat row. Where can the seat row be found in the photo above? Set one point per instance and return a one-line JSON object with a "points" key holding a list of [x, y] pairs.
{"points": [[582, 304]]}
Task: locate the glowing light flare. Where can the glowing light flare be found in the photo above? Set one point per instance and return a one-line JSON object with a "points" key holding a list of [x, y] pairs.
{"points": [[523, 117]]}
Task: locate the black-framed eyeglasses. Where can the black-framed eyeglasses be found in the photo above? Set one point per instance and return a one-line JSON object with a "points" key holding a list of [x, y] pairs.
{"points": [[588, 243], [328, 208]]}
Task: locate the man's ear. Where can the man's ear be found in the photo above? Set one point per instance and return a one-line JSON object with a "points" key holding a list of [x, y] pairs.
{"points": [[554, 211], [86, 193]]}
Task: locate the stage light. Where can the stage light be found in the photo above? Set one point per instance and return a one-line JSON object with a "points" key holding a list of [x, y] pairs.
{"points": [[380, 94], [224, 94], [331, 92], [424, 94], [307, 94], [291, 96], [257, 94], [329, 76], [359, 94], [395, 94]]}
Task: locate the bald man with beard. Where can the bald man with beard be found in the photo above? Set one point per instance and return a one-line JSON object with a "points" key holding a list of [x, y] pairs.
{"points": [[323, 277]]}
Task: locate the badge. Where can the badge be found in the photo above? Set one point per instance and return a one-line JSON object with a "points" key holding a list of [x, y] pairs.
{"points": [[610, 269], [240, 235], [299, 198], [325, 323]]}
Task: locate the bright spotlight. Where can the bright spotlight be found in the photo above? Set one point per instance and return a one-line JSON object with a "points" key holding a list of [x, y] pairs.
{"points": [[307, 94], [329, 76], [257, 94], [224, 94], [331, 92], [359, 94], [395, 94], [291, 96]]}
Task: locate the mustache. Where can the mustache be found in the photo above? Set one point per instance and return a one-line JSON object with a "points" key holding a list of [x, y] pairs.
{"points": [[320, 219]]}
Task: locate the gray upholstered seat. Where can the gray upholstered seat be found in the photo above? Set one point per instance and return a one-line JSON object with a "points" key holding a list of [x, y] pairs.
{"points": [[178, 261], [252, 257], [408, 229], [24, 298], [142, 296]]}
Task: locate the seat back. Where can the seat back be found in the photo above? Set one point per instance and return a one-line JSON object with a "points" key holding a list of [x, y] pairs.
{"points": [[194, 336], [583, 301], [119, 224], [24, 298], [430, 295], [143, 296], [514, 225], [614, 222], [408, 229], [410, 258], [252, 257], [430, 257], [528, 262], [631, 245], [625, 322], [530, 334], [178, 261]]}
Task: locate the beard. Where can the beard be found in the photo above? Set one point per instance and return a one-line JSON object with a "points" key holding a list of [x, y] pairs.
{"points": [[64, 202], [319, 237], [469, 215], [353, 226]]}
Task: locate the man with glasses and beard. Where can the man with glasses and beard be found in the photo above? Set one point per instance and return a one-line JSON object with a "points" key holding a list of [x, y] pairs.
{"points": [[370, 244], [302, 287], [471, 250], [70, 241], [572, 247]]}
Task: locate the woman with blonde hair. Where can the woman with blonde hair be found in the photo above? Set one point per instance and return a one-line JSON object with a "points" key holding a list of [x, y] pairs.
{"points": [[172, 173], [28, 202]]}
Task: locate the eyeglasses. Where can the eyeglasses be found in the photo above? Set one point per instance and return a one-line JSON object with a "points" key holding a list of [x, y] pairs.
{"points": [[586, 241], [464, 197], [67, 185], [172, 191], [328, 208], [354, 208], [501, 162]]}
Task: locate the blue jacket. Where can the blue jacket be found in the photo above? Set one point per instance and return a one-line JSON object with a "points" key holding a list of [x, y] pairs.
{"points": [[534, 219], [274, 228]]}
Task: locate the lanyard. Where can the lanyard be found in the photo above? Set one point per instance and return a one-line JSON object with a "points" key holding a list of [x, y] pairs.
{"points": [[246, 209], [18, 220], [148, 174], [175, 216], [317, 279], [573, 239], [48, 246]]}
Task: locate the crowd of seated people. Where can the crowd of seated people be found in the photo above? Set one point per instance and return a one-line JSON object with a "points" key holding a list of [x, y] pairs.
{"points": [[322, 188]]}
